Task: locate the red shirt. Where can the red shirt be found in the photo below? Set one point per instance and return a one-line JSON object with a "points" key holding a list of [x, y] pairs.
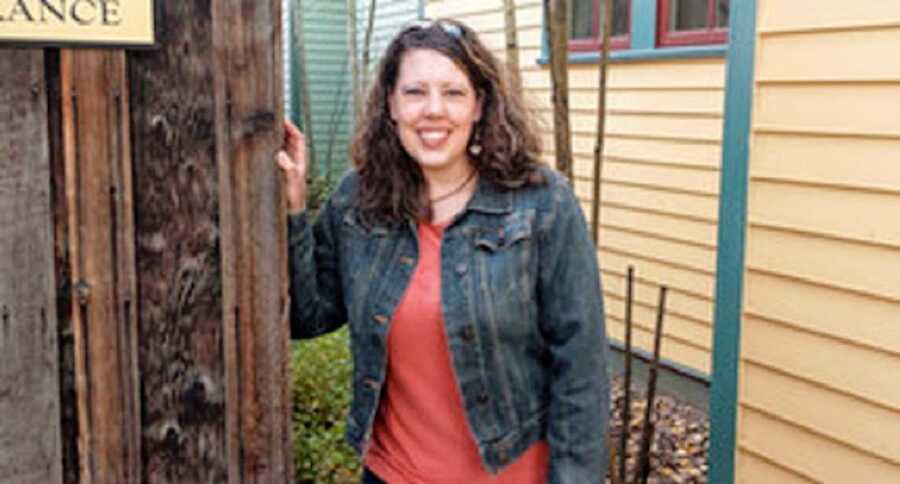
{"points": [[421, 435]]}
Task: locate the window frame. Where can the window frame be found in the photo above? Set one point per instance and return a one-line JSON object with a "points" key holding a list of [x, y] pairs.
{"points": [[666, 37], [593, 44]]}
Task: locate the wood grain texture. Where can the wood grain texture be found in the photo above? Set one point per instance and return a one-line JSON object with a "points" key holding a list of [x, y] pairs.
{"points": [[63, 270], [101, 240], [156, 231], [248, 89], [30, 449], [177, 251], [210, 246]]}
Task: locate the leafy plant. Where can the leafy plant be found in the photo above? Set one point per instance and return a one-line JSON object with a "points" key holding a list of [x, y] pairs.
{"points": [[321, 371], [318, 188]]}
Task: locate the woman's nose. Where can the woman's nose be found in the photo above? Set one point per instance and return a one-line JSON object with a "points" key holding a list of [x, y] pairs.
{"points": [[435, 106]]}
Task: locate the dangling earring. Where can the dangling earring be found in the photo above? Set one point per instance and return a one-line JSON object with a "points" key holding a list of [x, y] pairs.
{"points": [[475, 147]]}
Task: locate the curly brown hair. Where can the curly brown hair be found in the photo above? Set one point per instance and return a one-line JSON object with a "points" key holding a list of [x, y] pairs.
{"points": [[392, 185]]}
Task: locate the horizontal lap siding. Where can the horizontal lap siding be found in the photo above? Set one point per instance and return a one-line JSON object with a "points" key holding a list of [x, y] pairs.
{"points": [[819, 400], [329, 78], [390, 17], [661, 173], [659, 189]]}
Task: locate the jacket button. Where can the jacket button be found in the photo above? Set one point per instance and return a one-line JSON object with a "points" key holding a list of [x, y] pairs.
{"points": [[461, 269], [371, 383], [483, 398], [407, 260], [381, 319], [468, 333]]}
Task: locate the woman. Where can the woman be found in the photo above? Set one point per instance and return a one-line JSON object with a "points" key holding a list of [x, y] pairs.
{"points": [[466, 272]]}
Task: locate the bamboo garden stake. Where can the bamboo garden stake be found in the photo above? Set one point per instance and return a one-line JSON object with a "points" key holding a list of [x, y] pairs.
{"points": [[643, 469], [601, 119], [512, 43], [302, 71], [626, 405], [557, 31], [367, 46], [354, 59]]}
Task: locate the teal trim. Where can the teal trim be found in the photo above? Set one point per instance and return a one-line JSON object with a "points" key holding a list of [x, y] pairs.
{"points": [[643, 42], [663, 362], [731, 242], [643, 32], [545, 42], [693, 52]]}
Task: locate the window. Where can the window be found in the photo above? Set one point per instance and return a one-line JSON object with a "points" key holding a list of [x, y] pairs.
{"points": [[659, 24], [585, 32], [687, 22]]}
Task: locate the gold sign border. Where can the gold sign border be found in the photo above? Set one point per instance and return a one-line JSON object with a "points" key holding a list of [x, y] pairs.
{"points": [[156, 44]]}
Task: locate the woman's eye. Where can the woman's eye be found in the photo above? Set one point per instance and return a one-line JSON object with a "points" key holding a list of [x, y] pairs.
{"points": [[456, 92], [415, 92]]}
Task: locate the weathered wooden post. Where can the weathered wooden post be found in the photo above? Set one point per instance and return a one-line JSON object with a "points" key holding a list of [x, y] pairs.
{"points": [[30, 447], [142, 245], [96, 167]]}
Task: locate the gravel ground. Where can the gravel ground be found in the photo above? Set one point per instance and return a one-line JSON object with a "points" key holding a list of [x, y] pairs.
{"points": [[678, 453]]}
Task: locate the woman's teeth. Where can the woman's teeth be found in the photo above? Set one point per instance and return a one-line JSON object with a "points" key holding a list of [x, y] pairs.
{"points": [[433, 136]]}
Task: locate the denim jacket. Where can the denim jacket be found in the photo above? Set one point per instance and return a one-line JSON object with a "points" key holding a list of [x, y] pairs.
{"points": [[522, 307]]}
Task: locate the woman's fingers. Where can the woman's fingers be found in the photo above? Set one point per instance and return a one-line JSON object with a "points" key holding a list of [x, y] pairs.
{"points": [[292, 136], [294, 180], [289, 165], [290, 129], [284, 161], [291, 159], [294, 141]]}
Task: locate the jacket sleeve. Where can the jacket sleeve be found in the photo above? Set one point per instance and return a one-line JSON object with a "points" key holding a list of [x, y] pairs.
{"points": [[572, 323], [317, 302]]}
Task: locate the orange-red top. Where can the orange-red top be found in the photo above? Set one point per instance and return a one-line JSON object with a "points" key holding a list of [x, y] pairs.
{"points": [[421, 434]]}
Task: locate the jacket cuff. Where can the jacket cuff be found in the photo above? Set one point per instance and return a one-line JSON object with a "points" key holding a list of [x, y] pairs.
{"points": [[587, 466], [297, 224]]}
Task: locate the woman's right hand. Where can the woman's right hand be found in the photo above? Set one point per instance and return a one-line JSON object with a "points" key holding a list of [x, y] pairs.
{"points": [[292, 161]]}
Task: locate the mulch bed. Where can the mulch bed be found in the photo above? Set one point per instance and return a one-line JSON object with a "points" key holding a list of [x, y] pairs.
{"points": [[678, 453]]}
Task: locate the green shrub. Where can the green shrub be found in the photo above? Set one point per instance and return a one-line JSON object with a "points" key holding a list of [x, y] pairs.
{"points": [[318, 188], [321, 371]]}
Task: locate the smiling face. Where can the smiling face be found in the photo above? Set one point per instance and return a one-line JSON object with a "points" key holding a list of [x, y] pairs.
{"points": [[435, 107]]}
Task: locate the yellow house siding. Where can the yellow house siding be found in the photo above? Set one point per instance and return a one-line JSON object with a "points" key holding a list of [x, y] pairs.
{"points": [[659, 191], [767, 470], [486, 18], [661, 173], [806, 453], [820, 356]]}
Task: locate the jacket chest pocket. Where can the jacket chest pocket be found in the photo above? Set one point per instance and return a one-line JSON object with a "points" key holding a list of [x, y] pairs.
{"points": [[364, 253], [504, 257]]}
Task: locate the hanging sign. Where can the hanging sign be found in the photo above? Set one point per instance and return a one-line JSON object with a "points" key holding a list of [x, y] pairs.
{"points": [[113, 23]]}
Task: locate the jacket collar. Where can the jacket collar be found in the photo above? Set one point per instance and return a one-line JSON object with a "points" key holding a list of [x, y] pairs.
{"points": [[490, 198]]}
